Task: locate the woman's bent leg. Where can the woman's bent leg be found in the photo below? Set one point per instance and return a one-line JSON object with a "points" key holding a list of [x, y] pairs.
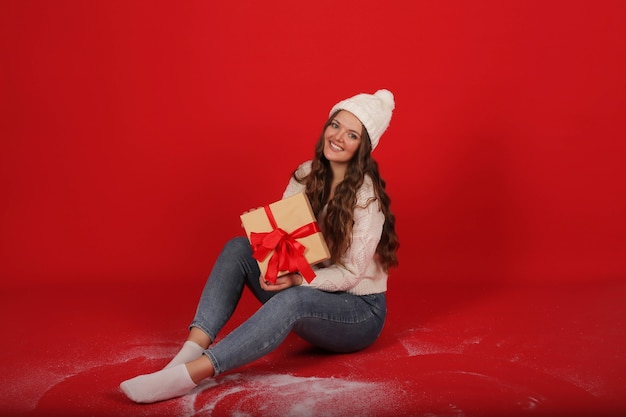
{"points": [[336, 321], [222, 291], [219, 297], [224, 286]]}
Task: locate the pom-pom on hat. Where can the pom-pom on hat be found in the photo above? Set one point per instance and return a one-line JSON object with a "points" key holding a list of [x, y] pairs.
{"points": [[373, 110]]}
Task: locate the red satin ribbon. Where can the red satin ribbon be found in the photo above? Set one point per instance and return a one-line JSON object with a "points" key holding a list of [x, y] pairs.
{"points": [[288, 252]]}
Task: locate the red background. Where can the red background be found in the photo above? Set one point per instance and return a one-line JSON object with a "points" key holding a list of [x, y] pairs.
{"points": [[135, 133]]}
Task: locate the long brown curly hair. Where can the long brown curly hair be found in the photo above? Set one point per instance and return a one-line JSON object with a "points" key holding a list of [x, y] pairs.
{"points": [[340, 212]]}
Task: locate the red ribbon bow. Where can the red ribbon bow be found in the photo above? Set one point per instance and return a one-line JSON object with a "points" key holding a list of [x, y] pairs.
{"points": [[288, 252]]}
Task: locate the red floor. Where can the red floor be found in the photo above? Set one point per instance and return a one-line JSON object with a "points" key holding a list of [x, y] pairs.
{"points": [[446, 351]]}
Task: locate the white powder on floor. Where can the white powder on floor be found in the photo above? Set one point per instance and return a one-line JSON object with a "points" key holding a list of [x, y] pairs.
{"points": [[31, 381], [242, 395], [413, 342], [288, 396]]}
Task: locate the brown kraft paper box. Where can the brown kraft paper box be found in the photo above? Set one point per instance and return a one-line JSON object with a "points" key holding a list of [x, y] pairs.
{"points": [[290, 214]]}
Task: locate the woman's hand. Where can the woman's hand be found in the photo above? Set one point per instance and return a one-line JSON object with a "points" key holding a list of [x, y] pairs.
{"points": [[282, 283]]}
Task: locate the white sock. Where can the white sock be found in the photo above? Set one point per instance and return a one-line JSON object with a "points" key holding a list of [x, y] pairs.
{"points": [[159, 386], [189, 352]]}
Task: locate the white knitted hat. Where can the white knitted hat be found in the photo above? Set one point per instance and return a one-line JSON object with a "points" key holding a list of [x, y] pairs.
{"points": [[373, 110]]}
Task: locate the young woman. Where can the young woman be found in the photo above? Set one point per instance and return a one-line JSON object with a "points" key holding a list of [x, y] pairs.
{"points": [[343, 308]]}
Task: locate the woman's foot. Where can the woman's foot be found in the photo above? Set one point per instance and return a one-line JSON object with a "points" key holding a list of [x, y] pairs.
{"points": [[189, 352], [162, 385]]}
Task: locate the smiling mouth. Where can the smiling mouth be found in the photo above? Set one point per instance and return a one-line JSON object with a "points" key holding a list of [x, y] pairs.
{"points": [[334, 147]]}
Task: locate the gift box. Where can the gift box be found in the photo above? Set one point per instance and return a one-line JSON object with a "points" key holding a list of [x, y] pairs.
{"points": [[285, 237]]}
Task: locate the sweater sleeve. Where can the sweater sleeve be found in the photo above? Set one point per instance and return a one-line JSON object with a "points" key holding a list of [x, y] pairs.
{"points": [[359, 263]]}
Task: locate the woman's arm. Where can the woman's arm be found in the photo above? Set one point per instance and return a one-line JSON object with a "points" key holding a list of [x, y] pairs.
{"points": [[358, 259]]}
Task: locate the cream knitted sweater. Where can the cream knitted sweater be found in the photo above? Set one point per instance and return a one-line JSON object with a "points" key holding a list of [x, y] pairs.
{"points": [[361, 273]]}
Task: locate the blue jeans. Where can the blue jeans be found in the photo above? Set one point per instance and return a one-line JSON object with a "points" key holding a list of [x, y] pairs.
{"points": [[338, 322]]}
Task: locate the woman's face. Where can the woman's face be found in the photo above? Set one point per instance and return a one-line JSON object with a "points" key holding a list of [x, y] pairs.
{"points": [[342, 137]]}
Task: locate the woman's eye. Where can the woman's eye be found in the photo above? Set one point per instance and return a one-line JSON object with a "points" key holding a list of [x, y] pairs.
{"points": [[334, 125]]}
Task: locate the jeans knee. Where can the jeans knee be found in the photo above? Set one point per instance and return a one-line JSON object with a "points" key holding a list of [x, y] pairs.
{"points": [[238, 245]]}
